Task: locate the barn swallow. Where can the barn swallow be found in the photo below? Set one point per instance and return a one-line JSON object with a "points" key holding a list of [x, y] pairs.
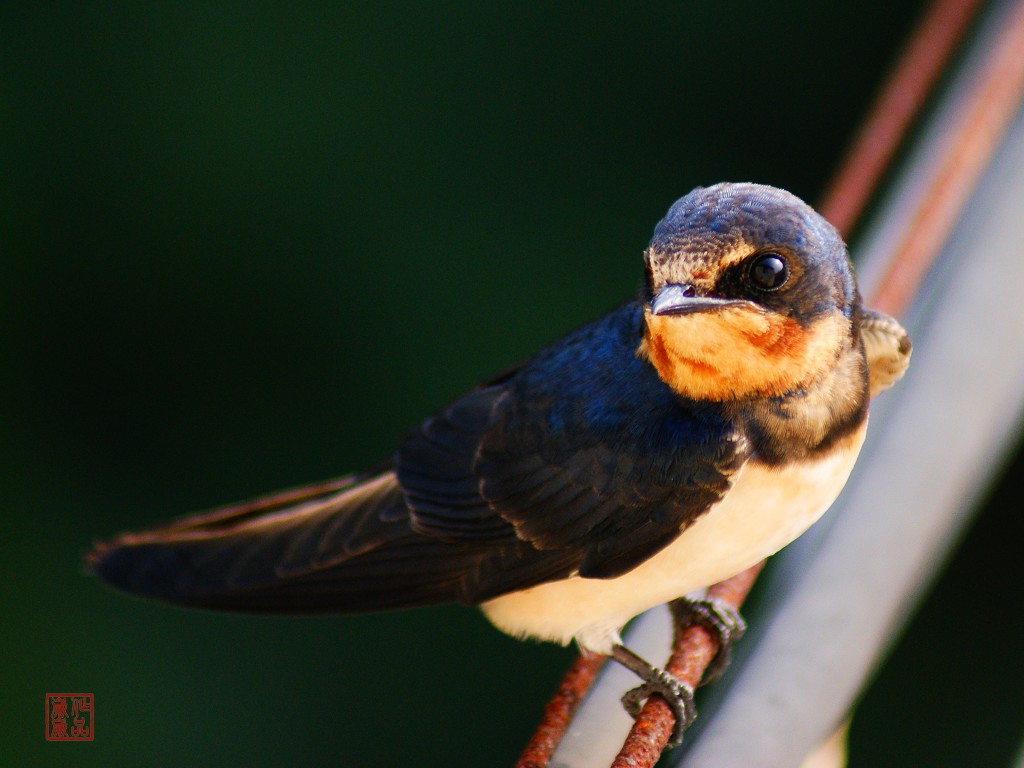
{"points": [[674, 442]]}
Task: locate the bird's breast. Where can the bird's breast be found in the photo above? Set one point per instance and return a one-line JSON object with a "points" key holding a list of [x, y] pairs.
{"points": [[766, 508]]}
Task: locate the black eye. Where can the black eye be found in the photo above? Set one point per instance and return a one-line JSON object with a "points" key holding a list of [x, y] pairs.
{"points": [[768, 271]]}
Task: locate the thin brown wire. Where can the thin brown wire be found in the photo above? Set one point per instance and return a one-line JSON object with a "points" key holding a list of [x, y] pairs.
{"points": [[694, 648], [560, 710], [894, 111], [972, 141]]}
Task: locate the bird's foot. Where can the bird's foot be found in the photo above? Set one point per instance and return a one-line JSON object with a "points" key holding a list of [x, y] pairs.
{"points": [[718, 617], [677, 694]]}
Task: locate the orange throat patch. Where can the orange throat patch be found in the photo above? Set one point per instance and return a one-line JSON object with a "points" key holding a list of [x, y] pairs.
{"points": [[740, 352]]}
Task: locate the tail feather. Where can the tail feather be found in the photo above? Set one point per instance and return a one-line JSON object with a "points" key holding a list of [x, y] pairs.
{"points": [[335, 547]]}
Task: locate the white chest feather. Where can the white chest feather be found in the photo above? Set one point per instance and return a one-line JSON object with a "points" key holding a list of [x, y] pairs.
{"points": [[765, 509]]}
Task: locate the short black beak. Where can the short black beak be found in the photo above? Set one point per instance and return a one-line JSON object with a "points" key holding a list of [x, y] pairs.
{"points": [[677, 299]]}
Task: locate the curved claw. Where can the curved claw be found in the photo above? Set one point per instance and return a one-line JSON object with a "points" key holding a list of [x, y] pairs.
{"points": [[677, 694], [718, 617]]}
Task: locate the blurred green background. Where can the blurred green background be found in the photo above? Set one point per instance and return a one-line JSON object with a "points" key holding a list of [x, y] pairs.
{"points": [[248, 245]]}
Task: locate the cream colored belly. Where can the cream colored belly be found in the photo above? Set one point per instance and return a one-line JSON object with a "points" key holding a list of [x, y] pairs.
{"points": [[764, 511]]}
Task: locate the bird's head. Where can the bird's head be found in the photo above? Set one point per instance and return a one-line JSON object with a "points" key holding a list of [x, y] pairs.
{"points": [[749, 293]]}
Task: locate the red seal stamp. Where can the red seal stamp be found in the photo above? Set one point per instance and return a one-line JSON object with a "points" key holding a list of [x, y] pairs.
{"points": [[69, 717]]}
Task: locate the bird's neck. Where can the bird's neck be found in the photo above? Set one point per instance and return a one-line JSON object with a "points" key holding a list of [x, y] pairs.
{"points": [[809, 421]]}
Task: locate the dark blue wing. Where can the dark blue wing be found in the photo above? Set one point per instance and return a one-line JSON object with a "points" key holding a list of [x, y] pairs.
{"points": [[584, 455]]}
